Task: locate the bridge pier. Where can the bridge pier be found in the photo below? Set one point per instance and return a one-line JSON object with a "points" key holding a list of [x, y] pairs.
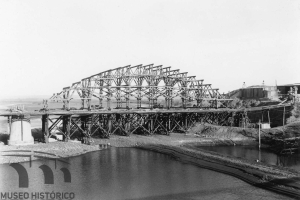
{"points": [[20, 130], [45, 127]]}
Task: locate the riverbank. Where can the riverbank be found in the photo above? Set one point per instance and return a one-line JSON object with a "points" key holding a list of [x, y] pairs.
{"points": [[68, 149], [59, 149]]}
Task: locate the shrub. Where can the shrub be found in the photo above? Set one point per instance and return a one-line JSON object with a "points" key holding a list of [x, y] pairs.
{"points": [[205, 104], [236, 103], [250, 103], [295, 114]]}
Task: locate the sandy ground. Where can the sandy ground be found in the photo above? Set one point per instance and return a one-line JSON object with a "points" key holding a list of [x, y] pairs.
{"points": [[59, 149], [175, 139]]}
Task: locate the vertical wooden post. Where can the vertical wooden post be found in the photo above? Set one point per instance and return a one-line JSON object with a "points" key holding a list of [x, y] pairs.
{"points": [[150, 103], [109, 125], [100, 101], [139, 102], [90, 125], [69, 128], [45, 128], [151, 125], [9, 121], [259, 134], [82, 103], [127, 125], [100, 94], [283, 120], [185, 122], [127, 98], [83, 127], [118, 122], [269, 117], [89, 103], [100, 123], [217, 99], [66, 128], [108, 103], [169, 124]]}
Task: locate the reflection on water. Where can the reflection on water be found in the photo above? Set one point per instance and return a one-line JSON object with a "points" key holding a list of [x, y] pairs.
{"points": [[127, 173], [252, 153]]}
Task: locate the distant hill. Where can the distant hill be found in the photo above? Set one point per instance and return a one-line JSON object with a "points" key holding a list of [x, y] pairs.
{"points": [[24, 98]]}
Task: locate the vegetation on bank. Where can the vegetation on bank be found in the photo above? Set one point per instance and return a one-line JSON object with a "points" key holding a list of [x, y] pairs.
{"points": [[295, 114], [238, 103], [224, 132], [235, 104]]}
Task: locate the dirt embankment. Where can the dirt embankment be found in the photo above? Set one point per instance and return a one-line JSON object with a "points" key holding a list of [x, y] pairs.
{"points": [[16, 154], [289, 131], [224, 132], [239, 134]]}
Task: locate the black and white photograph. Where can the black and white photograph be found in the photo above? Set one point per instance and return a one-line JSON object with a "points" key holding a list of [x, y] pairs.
{"points": [[149, 99]]}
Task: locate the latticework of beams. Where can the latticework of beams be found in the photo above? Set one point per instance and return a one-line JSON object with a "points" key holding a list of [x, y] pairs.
{"points": [[143, 85], [104, 125]]}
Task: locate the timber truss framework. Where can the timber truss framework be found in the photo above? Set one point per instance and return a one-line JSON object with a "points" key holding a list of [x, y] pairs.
{"points": [[83, 125], [141, 85], [145, 123]]}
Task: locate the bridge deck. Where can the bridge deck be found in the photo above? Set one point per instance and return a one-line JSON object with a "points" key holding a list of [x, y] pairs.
{"points": [[139, 111]]}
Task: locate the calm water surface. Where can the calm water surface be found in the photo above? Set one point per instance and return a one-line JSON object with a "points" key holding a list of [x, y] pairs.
{"points": [[252, 153], [127, 173]]}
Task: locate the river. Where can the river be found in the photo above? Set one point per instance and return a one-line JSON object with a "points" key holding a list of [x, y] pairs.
{"points": [[128, 173]]}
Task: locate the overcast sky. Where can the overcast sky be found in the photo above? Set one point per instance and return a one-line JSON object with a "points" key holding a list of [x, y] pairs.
{"points": [[48, 45]]}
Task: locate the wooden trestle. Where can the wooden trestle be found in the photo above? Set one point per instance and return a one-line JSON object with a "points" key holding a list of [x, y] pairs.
{"points": [[84, 125], [104, 125]]}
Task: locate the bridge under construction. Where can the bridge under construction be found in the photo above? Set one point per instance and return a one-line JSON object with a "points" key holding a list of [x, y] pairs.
{"points": [[142, 99]]}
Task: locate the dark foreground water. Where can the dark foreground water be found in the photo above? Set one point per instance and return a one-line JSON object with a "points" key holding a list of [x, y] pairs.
{"points": [[252, 153], [127, 173]]}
